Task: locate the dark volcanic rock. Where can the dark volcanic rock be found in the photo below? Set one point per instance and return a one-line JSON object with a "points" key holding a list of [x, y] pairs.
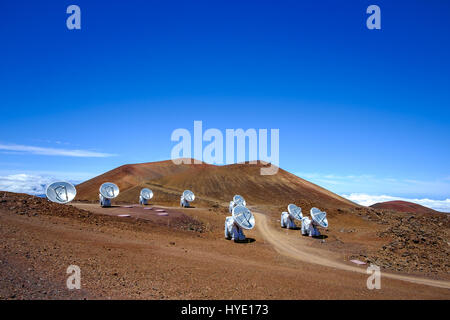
{"points": [[416, 242]]}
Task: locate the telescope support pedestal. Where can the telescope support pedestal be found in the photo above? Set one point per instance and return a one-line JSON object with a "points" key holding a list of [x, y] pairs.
{"points": [[233, 231], [309, 228], [184, 202], [286, 221], [104, 202], [142, 200]]}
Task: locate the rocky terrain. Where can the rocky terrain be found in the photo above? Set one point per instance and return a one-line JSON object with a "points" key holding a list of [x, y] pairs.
{"points": [[417, 243]]}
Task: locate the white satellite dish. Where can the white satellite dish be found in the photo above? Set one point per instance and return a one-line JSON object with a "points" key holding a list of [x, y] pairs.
{"points": [[187, 197], [295, 212], [287, 218], [61, 192], [145, 195], [108, 191], [241, 218], [319, 217]]}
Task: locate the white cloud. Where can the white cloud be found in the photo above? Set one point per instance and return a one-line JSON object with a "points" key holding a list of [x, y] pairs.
{"points": [[24, 183], [53, 151], [368, 200], [370, 184], [367, 189], [35, 183]]}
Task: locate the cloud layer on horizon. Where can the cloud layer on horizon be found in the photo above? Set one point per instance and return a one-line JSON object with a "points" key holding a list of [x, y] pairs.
{"points": [[373, 185], [53, 151], [368, 200], [24, 183], [35, 183]]}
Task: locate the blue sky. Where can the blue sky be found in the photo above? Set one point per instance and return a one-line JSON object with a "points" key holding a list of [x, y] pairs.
{"points": [[359, 111]]}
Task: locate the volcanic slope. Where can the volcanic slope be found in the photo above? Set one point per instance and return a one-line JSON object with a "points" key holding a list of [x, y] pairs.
{"points": [[211, 184], [403, 206]]}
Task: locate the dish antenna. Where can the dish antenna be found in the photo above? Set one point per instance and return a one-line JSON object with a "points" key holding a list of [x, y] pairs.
{"points": [[288, 218], [61, 192], [186, 198], [241, 219], [145, 195], [237, 201], [318, 219], [108, 191]]}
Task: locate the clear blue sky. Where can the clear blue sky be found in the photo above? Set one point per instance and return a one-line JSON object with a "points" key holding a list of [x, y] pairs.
{"points": [[359, 111]]}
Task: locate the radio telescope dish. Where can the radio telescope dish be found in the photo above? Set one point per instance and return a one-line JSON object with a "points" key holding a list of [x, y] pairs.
{"points": [[319, 217], [243, 217], [188, 195], [239, 200], [295, 212], [109, 190], [61, 192], [146, 193]]}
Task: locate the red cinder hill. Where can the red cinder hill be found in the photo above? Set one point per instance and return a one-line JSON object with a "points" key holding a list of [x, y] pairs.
{"points": [[403, 206], [211, 183]]}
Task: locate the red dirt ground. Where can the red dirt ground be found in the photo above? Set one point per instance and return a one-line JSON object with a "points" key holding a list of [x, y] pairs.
{"points": [[402, 206], [142, 258]]}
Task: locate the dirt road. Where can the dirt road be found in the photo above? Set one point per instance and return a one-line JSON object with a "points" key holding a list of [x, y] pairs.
{"points": [[293, 247]]}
